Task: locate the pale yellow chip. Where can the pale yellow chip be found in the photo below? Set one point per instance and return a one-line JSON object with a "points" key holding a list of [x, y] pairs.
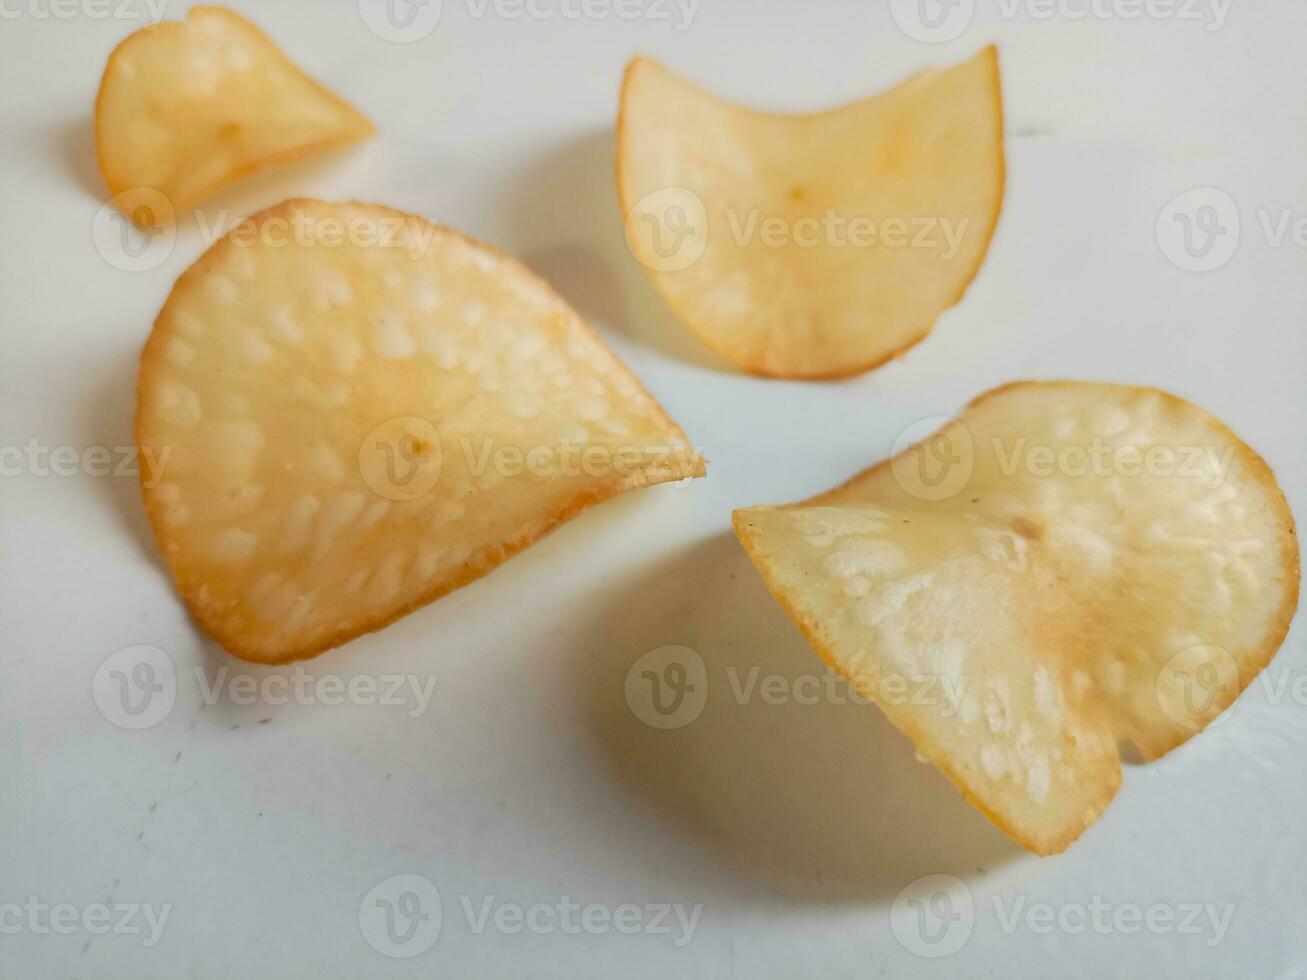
{"points": [[186, 107], [812, 246], [355, 412], [1071, 565]]}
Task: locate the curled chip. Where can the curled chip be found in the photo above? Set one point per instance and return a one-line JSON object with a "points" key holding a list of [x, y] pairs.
{"points": [[186, 107], [812, 246], [1073, 565], [355, 412]]}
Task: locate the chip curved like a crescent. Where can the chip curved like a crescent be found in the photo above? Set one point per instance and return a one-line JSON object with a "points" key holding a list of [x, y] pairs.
{"points": [[336, 432], [1071, 565], [820, 245], [186, 107]]}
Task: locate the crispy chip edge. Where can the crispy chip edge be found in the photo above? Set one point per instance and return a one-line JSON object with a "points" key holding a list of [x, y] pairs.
{"points": [[625, 201], [234, 643], [1277, 627], [361, 129]]}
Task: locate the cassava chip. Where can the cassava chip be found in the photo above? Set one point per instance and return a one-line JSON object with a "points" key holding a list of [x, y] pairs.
{"points": [[186, 107], [355, 412], [820, 245], [1070, 565]]}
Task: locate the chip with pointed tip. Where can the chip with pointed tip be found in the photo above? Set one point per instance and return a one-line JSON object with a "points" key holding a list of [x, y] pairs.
{"points": [[816, 245], [1072, 565], [353, 418], [186, 107]]}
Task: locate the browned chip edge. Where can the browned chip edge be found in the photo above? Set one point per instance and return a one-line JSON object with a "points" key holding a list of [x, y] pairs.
{"points": [[469, 573], [625, 202], [365, 128], [1277, 630]]}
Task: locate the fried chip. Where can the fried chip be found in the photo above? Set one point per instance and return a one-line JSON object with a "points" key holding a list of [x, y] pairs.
{"points": [[186, 107], [1071, 565], [820, 245], [356, 412]]}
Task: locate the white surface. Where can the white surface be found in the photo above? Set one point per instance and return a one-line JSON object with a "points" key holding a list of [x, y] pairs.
{"points": [[527, 778]]}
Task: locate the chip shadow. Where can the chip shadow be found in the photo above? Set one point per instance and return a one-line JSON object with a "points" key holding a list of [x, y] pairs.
{"points": [[107, 418], [563, 219], [812, 795]]}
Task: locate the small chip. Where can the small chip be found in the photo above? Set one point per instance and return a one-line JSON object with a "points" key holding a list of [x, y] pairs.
{"points": [[372, 411], [820, 245], [186, 107], [1107, 564]]}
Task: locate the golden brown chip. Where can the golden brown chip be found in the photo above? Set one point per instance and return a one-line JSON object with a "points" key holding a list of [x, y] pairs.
{"points": [[186, 107], [820, 245], [357, 411], [1073, 564]]}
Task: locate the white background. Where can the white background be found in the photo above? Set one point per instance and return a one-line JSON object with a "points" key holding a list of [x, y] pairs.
{"points": [[528, 778]]}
